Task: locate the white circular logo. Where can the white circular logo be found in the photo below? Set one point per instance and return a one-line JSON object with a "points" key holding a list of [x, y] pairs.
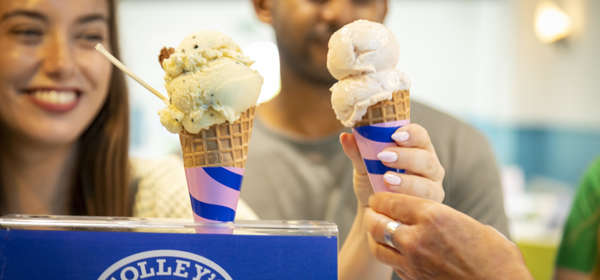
{"points": [[159, 264]]}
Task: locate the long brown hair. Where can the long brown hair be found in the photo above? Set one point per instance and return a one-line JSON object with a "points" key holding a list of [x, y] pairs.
{"points": [[101, 183]]}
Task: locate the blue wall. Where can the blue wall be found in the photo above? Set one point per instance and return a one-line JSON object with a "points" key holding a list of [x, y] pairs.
{"points": [[554, 152]]}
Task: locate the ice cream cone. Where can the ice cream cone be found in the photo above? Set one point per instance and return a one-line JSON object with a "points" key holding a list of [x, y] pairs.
{"points": [[373, 133], [214, 161], [398, 108], [212, 94]]}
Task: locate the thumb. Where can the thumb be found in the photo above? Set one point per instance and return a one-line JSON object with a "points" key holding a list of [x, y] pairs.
{"points": [[351, 150]]}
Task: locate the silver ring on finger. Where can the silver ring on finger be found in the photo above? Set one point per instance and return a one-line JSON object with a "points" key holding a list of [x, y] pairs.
{"points": [[390, 228]]}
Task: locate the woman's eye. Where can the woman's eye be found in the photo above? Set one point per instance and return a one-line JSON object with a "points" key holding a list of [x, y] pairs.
{"points": [[27, 35], [362, 2], [27, 32], [90, 38]]}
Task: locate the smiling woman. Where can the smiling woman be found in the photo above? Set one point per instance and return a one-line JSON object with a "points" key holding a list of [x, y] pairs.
{"points": [[64, 112]]}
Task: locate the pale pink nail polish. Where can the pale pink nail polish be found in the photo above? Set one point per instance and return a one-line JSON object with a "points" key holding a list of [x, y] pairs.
{"points": [[400, 136], [392, 179], [386, 156]]}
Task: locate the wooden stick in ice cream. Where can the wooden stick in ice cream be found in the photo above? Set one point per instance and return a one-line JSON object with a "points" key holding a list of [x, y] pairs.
{"points": [[124, 68]]}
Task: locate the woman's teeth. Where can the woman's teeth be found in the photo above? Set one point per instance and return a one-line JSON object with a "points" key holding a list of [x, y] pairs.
{"points": [[55, 97]]}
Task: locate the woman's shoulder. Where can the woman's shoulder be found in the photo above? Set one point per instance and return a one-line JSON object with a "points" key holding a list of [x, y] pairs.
{"points": [[156, 168], [161, 190]]}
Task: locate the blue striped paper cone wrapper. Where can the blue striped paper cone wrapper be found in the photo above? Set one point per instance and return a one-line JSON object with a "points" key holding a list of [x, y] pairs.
{"points": [[214, 161], [374, 133]]}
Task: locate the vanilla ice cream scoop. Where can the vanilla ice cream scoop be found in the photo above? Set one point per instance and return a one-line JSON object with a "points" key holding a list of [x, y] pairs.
{"points": [[209, 81], [361, 47], [351, 97], [362, 56]]}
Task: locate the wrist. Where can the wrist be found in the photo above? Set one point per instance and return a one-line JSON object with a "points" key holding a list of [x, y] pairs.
{"points": [[514, 264], [516, 271]]}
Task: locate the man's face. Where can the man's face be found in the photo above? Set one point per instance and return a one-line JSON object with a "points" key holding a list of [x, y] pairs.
{"points": [[303, 28]]}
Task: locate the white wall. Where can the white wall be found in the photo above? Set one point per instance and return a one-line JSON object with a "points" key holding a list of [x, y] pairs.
{"points": [[458, 54], [559, 83]]}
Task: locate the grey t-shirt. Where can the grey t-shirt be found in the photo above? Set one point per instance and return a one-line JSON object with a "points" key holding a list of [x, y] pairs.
{"points": [[292, 179]]}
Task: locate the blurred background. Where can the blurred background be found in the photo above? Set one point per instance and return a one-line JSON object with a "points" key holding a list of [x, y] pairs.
{"points": [[525, 72]]}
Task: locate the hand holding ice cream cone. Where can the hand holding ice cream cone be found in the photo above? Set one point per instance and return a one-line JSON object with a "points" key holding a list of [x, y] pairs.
{"points": [[424, 173], [372, 97]]}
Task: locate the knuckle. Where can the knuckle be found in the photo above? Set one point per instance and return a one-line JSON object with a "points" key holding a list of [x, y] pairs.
{"points": [[410, 248], [429, 213], [430, 162], [442, 172], [440, 194], [421, 131], [424, 131], [428, 190], [395, 209], [440, 220], [415, 127]]}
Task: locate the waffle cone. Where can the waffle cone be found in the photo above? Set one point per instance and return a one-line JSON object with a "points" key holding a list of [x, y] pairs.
{"points": [[224, 144], [398, 108]]}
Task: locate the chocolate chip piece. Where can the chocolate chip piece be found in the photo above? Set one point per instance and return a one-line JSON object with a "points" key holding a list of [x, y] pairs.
{"points": [[164, 54]]}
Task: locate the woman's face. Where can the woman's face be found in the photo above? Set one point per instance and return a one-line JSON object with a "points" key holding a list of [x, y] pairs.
{"points": [[52, 80]]}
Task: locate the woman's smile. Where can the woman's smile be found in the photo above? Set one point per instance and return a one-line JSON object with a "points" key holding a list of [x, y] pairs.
{"points": [[54, 99]]}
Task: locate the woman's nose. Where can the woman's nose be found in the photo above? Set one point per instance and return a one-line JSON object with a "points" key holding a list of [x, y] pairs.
{"points": [[58, 61]]}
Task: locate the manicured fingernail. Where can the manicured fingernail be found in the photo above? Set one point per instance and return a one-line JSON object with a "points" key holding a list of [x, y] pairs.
{"points": [[386, 156], [392, 179], [400, 136]]}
